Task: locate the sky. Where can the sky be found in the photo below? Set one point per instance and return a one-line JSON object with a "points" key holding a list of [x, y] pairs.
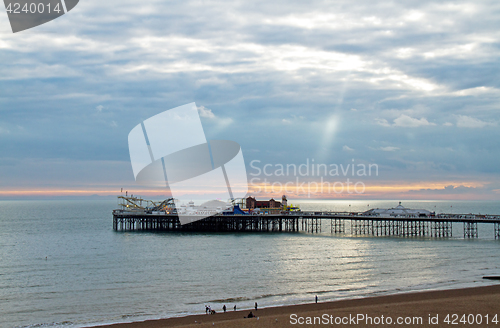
{"points": [[408, 86]]}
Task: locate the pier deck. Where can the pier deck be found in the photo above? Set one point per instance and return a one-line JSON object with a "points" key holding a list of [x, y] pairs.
{"points": [[439, 226]]}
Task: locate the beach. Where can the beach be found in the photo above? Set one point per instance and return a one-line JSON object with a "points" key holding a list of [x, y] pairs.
{"points": [[477, 306]]}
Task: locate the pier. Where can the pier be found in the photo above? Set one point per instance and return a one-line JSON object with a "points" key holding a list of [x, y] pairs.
{"points": [[343, 223]]}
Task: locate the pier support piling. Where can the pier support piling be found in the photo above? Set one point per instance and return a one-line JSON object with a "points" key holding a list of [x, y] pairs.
{"points": [[470, 229], [337, 225], [441, 229], [361, 227]]}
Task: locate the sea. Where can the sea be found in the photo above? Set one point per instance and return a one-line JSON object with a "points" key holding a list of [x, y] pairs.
{"points": [[62, 265]]}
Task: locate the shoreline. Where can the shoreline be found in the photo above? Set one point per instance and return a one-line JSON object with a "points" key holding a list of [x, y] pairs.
{"points": [[478, 301]]}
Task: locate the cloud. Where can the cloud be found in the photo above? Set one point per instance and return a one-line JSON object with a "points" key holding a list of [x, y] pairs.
{"points": [[347, 148], [382, 121], [410, 122], [404, 121], [478, 91], [448, 124], [389, 148], [464, 121], [205, 112], [450, 189], [286, 121], [100, 108]]}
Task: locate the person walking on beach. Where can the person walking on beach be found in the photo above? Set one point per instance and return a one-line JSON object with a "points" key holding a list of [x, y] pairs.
{"points": [[206, 309], [255, 306], [224, 308], [235, 308], [316, 299]]}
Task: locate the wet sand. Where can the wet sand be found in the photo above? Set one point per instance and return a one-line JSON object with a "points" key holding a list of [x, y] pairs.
{"points": [[420, 309]]}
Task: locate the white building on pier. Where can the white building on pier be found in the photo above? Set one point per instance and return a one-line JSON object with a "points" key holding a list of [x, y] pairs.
{"points": [[398, 211]]}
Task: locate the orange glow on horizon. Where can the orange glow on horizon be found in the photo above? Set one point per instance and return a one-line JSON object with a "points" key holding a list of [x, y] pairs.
{"points": [[315, 187], [308, 189], [74, 192]]}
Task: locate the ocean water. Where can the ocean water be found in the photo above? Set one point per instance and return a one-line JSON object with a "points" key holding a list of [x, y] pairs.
{"points": [[62, 265]]}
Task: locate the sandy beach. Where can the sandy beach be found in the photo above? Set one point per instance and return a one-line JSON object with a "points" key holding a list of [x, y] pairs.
{"points": [[479, 306]]}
